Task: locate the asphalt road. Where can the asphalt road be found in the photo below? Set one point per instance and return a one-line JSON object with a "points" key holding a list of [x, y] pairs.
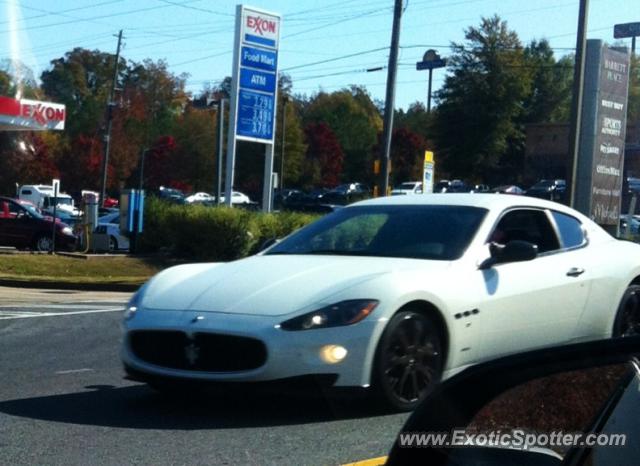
{"points": [[63, 400]]}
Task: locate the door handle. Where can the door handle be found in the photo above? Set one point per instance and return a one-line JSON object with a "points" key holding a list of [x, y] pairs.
{"points": [[575, 272]]}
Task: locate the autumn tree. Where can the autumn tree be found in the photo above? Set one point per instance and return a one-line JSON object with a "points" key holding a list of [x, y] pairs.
{"points": [[324, 158], [354, 119]]}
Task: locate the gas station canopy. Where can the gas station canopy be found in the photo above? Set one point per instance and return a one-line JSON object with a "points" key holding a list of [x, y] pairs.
{"points": [[30, 115]]}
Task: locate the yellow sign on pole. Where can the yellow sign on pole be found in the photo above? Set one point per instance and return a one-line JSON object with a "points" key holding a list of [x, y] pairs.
{"points": [[427, 173]]}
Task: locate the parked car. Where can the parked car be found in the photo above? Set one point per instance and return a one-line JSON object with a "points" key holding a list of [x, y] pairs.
{"points": [[238, 198], [453, 186], [508, 189], [394, 293], [480, 188], [171, 195], [110, 225], [23, 227], [110, 202], [200, 198], [408, 187], [554, 190]]}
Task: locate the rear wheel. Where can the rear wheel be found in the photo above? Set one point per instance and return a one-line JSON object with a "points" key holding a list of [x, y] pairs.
{"points": [[627, 321], [409, 360]]}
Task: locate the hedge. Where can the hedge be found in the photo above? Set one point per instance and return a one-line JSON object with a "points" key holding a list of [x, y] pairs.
{"points": [[208, 233]]}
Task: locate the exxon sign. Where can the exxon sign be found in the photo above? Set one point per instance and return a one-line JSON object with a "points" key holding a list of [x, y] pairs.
{"points": [[25, 114], [260, 29]]}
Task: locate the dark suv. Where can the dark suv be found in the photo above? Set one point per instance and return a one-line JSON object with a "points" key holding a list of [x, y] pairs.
{"points": [[22, 226]]}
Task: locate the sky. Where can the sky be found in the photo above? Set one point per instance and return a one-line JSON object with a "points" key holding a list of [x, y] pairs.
{"points": [[325, 45]]}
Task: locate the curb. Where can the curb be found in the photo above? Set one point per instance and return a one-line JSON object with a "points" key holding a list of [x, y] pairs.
{"points": [[51, 285]]}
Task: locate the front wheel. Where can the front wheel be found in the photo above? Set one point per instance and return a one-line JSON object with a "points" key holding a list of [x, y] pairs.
{"points": [[627, 321], [113, 244], [43, 243], [409, 360]]}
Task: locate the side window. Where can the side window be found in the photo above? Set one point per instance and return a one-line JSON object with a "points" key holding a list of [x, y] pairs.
{"points": [[526, 225], [570, 229], [26, 192]]}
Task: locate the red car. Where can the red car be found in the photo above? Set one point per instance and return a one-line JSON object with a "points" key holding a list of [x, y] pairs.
{"points": [[111, 202], [22, 226]]}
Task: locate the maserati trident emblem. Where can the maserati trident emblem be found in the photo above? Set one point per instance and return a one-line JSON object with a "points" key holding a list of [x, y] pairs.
{"points": [[191, 352]]}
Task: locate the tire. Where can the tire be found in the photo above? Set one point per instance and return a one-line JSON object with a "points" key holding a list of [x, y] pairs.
{"points": [[113, 244], [43, 243], [627, 321], [408, 362]]}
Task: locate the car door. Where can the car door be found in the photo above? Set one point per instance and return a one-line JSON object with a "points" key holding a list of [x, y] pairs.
{"points": [[17, 227], [534, 303]]}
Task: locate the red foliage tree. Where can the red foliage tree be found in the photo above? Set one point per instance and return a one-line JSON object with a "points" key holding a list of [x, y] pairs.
{"points": [[324, 157], [81, 167]]}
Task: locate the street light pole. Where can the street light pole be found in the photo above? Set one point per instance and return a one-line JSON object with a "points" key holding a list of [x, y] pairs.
{"points": [[141, 179], [220, 150], [282, 139]]}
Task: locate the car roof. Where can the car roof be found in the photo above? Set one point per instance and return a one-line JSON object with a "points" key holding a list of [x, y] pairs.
{"points": [[487, 201]]}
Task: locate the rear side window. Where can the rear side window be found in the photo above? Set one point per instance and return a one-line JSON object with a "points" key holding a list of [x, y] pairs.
{"points": [[570, 229]]}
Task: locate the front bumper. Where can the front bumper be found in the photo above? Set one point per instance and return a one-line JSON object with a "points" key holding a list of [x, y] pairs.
{"points": [[288, 353]]}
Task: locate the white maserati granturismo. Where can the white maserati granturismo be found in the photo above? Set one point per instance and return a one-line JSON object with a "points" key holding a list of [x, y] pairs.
{"points": [[393, 293]]}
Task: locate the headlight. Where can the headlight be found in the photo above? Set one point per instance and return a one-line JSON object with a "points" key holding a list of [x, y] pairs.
{"points": [[67, 231], [134, 303], [337, 315]]}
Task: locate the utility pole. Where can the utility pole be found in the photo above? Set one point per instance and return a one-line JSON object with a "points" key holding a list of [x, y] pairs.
{"points": [[220, 150], [576, 101], [107, 136], [389, 102]]}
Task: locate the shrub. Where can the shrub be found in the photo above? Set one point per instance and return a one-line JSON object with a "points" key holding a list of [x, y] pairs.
{"points": [[205, 233]]}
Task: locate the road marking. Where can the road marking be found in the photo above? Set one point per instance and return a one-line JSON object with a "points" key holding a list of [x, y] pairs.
{"points": [[73, 371], [25, 315], [370, 462]]}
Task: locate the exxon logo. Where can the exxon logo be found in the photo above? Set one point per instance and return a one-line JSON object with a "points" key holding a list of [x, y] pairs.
{"points": [[41, 113], [260, 25]]}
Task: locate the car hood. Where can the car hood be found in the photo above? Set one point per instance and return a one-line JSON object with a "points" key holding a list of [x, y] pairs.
{"points": [[269, 285]]}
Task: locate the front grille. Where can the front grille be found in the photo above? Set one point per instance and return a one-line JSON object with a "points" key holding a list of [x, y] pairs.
{"points": [[208, 352]]}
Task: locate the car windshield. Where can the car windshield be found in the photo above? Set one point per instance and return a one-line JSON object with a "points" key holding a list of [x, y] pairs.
{"points": [[407, 186], [407, 231], [32, 211]]}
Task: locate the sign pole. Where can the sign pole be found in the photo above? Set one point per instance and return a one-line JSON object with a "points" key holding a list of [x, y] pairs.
{"points": [[267, 187]]}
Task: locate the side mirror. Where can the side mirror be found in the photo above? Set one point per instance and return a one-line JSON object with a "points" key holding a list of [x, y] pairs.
{"points": [[513, 251]]}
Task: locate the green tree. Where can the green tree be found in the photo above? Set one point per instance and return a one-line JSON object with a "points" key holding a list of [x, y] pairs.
{"points": [[549, 99], [82, 81], [415, 119], [294, 143], [354, 119], [480, 101]]}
